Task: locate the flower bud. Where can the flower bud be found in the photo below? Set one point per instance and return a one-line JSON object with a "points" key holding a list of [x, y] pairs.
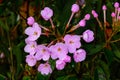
{"points": [[75, 8]]}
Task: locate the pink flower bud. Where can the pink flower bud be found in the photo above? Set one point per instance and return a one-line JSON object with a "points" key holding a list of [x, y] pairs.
{"points": [[116, 5], [94, 14], [46, 13], [88, 36], [75, 8], [113, 14], [87, 17], [82, 23], [30, 20], [104, 7]]}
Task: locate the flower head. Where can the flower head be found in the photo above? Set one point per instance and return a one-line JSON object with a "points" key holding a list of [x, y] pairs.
{"points": [[31, 47], [113, 14], [47, 13], [30, 20], [31, 60], [82, 23], [60, 50], [87, 17], [45, 69], [104, 7], [42, 53], [33, 32], [60, 64], [75, 8], [116, 4], [79, 55], [88, 36], [72, 42], [95, 15]]}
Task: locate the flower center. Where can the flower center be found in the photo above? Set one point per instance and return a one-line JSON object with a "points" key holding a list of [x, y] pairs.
{"points": [[71, 42], [43, 50], [35, 33], [59, 49]]}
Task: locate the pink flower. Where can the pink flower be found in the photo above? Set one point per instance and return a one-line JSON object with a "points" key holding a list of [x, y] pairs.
{"points": [[45, 69], [113, 14], [30, 48], [60, 50], [79, 55], [33, 32], [72, 42], [53, 54], [104, 7], [82, 23], [60, 64], [95, 15], [116, 4], [30, 20], [42, 53], [31, 60], [67, 59], [75, 8], [88, 36], [87, 17], [46, 13]]}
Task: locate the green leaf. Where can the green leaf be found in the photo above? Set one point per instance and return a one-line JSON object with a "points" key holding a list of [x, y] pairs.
{"points": [[109, 55], [116, 50], [26, 78], [94, 49], [2, 77], [2, 24], [105, 69]]}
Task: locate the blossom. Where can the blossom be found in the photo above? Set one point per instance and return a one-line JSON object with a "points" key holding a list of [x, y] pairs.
{"points": [[88, 36], [31, 60], [60, 64], [42, 53], [104, 7], [67, 59], [87, 17], [60, 49], [30, 20], [45, 68], [113, 14], [82, 23], [33, 32], [116, 4], [72, 42], [75, 8], [30, 47], [46, 13], [79, 55], [94, 14], [52, 53]]}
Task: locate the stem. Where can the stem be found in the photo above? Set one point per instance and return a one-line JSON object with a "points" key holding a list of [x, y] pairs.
{"points": [[73, 28], [69, 21], [11, 58], [99, 23], [115, 41], [51, 21]]}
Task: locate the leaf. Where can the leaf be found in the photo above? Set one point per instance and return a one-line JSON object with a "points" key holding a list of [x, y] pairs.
{"points": [[94, 49], [109, 56], [116, 50], [26, 78], [2, 77], [2, 24], [105, 69]]}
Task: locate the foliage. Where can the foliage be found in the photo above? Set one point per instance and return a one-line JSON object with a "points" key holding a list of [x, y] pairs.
{"points": [[103, 54]]}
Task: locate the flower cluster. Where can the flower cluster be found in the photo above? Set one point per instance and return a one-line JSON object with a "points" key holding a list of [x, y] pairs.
{"points": [[59, 49]]}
